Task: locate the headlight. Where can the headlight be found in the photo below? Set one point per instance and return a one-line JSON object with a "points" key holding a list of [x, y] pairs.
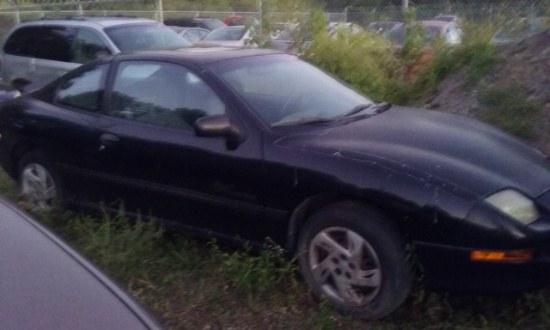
{"points": [[514, 204]]}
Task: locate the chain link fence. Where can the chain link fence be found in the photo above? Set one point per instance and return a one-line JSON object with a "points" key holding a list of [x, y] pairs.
{"points": [[361, 12]]}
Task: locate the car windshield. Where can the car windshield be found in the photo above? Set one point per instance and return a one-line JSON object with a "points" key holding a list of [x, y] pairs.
{"points": [[228, 33], [282, 89], [145, 37]]}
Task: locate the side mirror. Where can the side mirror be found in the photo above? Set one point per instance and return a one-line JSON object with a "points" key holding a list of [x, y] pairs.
{"points": [[101, 54], [219, 126]]}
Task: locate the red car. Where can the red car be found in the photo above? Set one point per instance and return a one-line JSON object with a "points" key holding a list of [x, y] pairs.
{"points": [[449, 32]]}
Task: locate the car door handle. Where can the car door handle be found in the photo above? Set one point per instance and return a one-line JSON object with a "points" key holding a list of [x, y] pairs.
{"points": [[108, 139]]}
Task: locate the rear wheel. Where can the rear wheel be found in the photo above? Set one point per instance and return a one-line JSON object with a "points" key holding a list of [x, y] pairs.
{"points": [[38, 182], [352, 256]]}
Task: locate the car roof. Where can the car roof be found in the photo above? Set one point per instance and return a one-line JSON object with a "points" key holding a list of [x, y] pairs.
{"points": [[439, 25], [435, 23], [49, 285], [234, 27], [101, 21], [200, 55]]}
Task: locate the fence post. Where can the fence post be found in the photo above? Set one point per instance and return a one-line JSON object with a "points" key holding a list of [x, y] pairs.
{"points": [[405, 5], [160, 11], [260, 15]]}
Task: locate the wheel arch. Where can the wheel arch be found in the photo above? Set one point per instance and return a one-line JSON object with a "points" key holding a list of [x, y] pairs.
{"points": [[17, 153], [310, 205]]}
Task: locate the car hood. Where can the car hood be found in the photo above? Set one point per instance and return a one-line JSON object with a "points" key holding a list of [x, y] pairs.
{"points": [[455, 149]]}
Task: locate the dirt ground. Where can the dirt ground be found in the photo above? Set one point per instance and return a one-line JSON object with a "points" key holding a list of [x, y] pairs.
{"points": [[523, 67]]}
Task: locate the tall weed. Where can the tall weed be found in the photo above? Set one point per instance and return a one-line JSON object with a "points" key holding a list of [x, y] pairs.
{"points": [[363, 60], [8, 187], [127, 248], [256, 273]]}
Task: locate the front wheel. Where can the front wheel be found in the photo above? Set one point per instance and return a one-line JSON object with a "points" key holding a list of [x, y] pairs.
{"points": [[38, 183], [352, 256]]}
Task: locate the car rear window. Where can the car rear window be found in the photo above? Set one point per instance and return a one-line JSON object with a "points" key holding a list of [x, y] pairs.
{"points": [[46, 42]]}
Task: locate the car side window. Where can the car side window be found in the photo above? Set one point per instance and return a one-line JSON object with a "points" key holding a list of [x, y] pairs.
{"points": [[84, 91], [45, 42], [55, 43], [162, 93], [22, 42], [195, 35], [87, 46]]}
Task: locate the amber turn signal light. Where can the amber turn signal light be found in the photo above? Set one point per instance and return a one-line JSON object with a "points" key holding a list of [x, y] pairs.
{"points": [[480, 255]]}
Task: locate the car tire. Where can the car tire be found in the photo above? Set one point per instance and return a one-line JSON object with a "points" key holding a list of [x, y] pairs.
{"points": [[352, 256], [39, 184]]}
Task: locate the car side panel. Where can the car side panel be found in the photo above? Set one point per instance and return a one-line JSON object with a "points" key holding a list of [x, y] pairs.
{"points": [[175, 175], [67, 137]]}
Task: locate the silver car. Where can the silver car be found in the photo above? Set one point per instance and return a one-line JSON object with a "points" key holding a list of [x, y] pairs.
{"points": [[37, 52]]}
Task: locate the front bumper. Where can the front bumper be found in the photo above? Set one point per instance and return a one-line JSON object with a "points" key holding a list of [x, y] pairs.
{"points": [[450, 268]]}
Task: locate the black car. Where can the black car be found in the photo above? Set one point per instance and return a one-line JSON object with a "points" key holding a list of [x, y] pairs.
{"points": [[250, 144], [45, 284]]}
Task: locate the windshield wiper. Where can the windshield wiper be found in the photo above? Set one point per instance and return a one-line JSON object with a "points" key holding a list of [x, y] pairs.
{"points": [[357, 109], [301, 121], [376, 108]]}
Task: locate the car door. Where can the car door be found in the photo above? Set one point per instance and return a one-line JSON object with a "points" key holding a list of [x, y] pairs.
{"points": [[65, 130], [156, 164]]}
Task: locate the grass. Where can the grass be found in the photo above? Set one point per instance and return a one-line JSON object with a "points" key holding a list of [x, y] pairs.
{"points": [[507, 109], [7, 185], [195, 284]]}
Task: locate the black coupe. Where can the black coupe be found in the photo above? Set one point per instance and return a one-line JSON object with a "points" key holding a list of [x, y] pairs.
{"points": [[245, 145]]}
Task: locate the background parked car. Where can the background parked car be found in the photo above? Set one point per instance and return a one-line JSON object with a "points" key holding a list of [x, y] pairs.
{"points": [[45, 284], [447, 18], [201, 22], [282, 37], [191, 34], [351, 27], [381, 27], [232, 20], [237, 36], [39, 51], [428, 31]]}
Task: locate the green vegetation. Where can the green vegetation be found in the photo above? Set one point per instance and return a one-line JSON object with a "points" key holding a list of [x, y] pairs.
{"points": [[363, 60], [372, 64], [7, 185], [506, 109]]}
